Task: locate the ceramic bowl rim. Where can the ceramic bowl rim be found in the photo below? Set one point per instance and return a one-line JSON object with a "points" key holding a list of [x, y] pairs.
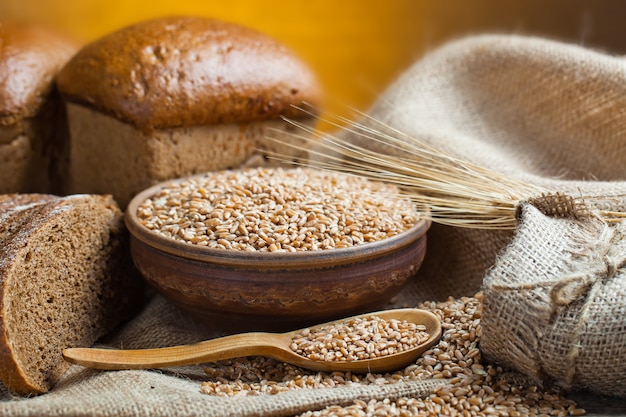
{"points": [[238, 258]]}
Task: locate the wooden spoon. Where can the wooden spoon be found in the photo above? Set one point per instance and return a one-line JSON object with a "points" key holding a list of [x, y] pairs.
{"points": [[274, 345]]}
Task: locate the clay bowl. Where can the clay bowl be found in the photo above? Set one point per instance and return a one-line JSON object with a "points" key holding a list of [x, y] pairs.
{"points": [[254, 291]]}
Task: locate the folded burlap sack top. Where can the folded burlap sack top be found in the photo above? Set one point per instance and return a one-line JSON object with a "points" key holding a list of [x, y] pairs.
{"points": [[539, 112]]}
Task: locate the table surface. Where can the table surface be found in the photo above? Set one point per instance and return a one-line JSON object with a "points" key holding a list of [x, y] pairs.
{"points": [[599, 406]]}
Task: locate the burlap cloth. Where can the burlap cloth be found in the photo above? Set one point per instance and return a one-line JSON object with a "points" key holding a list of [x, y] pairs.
{"points": [[548, 113]]}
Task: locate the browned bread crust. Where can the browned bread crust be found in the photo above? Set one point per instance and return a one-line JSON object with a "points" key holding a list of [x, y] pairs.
{"points": [[30, 58], [33, 128], [187, 71]]}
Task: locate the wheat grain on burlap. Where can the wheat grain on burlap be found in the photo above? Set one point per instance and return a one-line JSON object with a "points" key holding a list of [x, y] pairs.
{"points": [[552, 115], [548, 113]]}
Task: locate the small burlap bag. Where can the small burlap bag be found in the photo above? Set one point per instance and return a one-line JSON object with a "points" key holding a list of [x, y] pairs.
{"points": [[548, 114], [555, 303]]}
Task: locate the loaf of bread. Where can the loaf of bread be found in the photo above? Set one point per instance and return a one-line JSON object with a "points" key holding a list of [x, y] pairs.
{"points": [[176, 96], [33, 129], [66, 279]]}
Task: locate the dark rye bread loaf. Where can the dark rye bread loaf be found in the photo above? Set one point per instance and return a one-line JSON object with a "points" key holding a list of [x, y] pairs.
{"points": [[176, 96], [33, 127], [66, 279]]}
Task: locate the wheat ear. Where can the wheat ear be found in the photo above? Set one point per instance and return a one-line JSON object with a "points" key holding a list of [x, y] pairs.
{"points": [[452, 191]]}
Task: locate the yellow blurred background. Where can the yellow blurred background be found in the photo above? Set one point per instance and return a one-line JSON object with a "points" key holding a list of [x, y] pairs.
{"points": [[356, 47]]}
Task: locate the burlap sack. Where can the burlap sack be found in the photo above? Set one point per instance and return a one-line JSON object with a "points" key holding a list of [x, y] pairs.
{"points": [[548, 113], [551, 115], [545, 112]]}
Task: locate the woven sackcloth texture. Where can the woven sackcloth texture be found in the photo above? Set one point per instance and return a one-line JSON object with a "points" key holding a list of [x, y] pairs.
{"points": [[547, 113], [555, 303], [544, 112], [551, 115]]}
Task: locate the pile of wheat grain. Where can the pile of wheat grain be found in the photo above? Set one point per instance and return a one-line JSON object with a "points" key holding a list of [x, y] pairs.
{"points": [[277, 210], [475, 389]]}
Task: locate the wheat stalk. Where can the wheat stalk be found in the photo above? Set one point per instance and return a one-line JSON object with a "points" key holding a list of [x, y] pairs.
{"points": [[452, 191]]}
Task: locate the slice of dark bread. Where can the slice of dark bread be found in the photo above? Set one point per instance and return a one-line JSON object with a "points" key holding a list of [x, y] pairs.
{"points": [[66, 279]]}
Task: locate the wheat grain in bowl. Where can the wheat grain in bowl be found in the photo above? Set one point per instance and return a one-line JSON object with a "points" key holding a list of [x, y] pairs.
{"points": [[275, 248], [277, 210]]}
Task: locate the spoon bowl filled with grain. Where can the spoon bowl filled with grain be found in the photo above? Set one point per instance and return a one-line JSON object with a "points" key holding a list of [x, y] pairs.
{"points": [[381, 341], [276, 248]]}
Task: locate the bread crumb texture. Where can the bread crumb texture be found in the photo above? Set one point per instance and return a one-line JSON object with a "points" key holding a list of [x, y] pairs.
{"points": [[111, 157]]}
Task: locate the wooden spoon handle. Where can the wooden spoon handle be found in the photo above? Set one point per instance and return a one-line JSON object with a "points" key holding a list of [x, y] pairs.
{"points": [[227, 347]]}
